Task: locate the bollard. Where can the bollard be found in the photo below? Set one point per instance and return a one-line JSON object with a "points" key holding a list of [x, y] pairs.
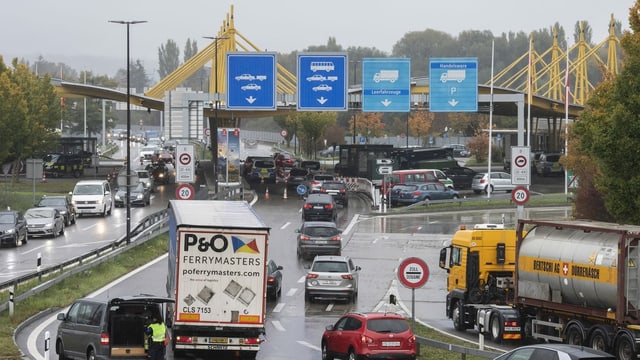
{"points": [[38, 264], [47, 342], [11, 302]]}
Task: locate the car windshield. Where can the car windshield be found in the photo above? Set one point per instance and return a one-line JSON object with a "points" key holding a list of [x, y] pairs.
{"points": [[320, 231], [330, 266], [38, 213], [88, 190], [388, 325], [264, 164], [6, 219], [553, 158], [298, 172], [333, 186]]}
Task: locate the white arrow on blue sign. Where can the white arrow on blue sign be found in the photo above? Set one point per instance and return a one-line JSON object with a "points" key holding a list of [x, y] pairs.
{"points": [[386, 85], [251, 81], [322, 81], [453, 85]]}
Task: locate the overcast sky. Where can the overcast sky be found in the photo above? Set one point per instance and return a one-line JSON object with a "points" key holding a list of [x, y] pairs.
{"points": [[77, 32]]}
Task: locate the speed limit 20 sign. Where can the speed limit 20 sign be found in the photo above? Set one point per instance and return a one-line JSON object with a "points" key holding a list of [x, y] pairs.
{"points": [[185, 192], [520, 195]]}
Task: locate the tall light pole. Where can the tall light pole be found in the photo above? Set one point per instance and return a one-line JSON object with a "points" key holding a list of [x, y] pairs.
{"points": [[214, 125], [355, 81], [128, 165]]}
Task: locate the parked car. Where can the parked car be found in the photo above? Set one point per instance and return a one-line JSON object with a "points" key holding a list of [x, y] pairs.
{"points": [[337, 189], [64, 206], [425, 192], [318, 238], [461, 176], [555, 351], [13, 228], [319, 207], [274, 280], [316, 182], [396, 190], [330, 151], [388, 336], [459, 150], [139, 195], [549, 164], [95, 328], [500, 181], [312, 165], [44, 221], [332, 277]]}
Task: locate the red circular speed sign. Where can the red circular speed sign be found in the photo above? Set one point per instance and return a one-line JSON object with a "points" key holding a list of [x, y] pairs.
{"points": [[520, 195], [413, 272], [185, 192]]}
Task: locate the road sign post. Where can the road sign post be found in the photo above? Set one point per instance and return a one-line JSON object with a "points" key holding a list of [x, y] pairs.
{"points": [[185, 192], [185, 164], [413, 273]]}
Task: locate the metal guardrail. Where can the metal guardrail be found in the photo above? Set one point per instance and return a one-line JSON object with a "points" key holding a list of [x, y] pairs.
{"points": [[147, 228]]}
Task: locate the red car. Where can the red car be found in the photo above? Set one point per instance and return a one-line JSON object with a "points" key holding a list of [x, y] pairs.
{"points": [[285, 160], [370, 335]]}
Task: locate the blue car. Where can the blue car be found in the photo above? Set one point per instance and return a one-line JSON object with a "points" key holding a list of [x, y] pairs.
{"points": [[413, 193]]}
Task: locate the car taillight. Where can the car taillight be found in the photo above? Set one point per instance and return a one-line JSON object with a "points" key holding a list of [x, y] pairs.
{"points": [[308, 206], [312, 276], [304, 237], [343, 190], [184, 339], [252, 341], [347, 277], [416, 193], [336, 238], [328, 206], [271, 279], [482, 181], [366, 340], [323, 190], [411, 340], [315, 183], [104, 339]]}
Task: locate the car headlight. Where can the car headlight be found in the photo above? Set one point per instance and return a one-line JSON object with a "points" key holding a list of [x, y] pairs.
{"points": [[139, 197], [63, 212], [118, 197], [11, 231], [48, 226]]}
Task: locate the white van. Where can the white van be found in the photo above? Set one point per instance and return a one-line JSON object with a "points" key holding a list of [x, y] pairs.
{"points": [[92, 197]]}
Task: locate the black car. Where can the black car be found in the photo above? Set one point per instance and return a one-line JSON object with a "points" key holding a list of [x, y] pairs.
{"points": [[337, 189], [297, 176], [139, 195], [319, 207], [13, 228], [63, 205], [319, 238], [462, 177], [312, 165], [274, 280]]}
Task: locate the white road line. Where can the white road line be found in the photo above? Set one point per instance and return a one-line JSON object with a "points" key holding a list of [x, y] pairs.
{"points": [[353, 222], [302, 279], [329, 307], [278, 307], [285, 225], [292, 292], [278, 325], [33, 337], [34, 249], [304, 343]]}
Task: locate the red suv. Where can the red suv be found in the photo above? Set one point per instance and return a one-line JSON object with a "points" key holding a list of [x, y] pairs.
{"points": [[371, 335]]}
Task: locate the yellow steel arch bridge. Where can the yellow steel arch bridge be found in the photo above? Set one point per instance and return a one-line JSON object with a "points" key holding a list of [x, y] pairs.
{"points": [[547, 84]]}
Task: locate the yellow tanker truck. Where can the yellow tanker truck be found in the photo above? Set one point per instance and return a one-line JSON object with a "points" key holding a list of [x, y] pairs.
{"points": [[576, 282]]}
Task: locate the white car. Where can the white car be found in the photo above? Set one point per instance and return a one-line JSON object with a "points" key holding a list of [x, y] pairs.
{"points": [[322, 87], [251, 87], [245, 77], [316, 77], [500, 181]]}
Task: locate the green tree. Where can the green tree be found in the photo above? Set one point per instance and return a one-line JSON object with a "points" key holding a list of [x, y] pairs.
{"points": [[29, 113], [73, 110], [607, 133], [168, 58], [138, 78], [311, 130]]}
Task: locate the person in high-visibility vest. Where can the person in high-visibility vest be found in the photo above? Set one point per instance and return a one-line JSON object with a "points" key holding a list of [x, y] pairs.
{"points": [[156, 331]]}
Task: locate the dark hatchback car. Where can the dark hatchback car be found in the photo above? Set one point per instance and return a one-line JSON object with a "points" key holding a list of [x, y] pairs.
{"points": [[297, 176], [319, 207], [461, 176], [319, 238], [63, 205], [13, 228], [140, 195], [274, 280], [337, 189]]}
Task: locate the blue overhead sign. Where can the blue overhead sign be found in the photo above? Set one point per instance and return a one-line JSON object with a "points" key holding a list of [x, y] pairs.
{"points": [[251, 81], [453, 85], [322, 81], [386, 85]]}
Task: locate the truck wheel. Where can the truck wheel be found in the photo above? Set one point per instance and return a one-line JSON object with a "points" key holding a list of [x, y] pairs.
{"points": [[458, 313], [574, 335], [495, 328], [598, 340], [625, 348]]}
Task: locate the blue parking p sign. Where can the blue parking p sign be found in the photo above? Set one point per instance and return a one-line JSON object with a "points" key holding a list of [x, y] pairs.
{"points": [[251, 81]]}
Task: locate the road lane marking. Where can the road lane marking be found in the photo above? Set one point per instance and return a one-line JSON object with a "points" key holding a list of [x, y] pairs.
{"points": [[285, 225], [278, 307], [292, 292], [304, 343], [278, 325]]}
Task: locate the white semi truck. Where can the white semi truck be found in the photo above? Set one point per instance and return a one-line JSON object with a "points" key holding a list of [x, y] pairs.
{"points": [[217, 276]]}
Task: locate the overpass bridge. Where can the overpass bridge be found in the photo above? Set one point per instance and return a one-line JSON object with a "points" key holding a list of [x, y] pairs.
{"points": [[544, 94]]}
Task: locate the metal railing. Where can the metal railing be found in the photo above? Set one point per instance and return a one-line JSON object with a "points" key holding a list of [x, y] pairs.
{"points": [[149, 227], [464, 351]]}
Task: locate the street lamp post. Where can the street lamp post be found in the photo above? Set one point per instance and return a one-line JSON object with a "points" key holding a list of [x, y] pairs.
{"points": [[128, 165], [214, 126], [355, 81]]}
